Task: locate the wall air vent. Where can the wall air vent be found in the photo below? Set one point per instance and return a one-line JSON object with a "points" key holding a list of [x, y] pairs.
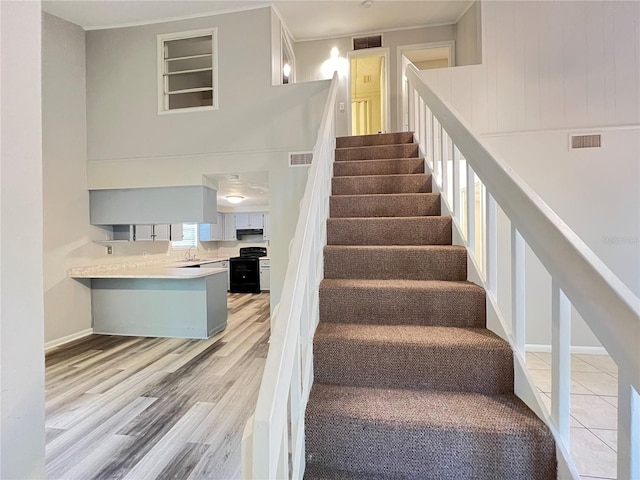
{"points": [[373, 41], [585, 141], [300, 159]]}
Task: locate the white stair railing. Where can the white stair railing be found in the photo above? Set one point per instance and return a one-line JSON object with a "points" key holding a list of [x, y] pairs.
{"points": [[476, 185], [273, 441]]}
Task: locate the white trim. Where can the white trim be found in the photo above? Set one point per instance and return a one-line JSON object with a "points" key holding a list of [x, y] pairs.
{"points": [[465, 11], [371, 52], [400, 49], [583, 130], [67, 339], [164, 37], [374, 32], [575, 349], [174, 19]]}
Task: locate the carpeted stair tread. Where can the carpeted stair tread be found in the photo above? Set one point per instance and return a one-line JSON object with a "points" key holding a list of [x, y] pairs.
{"points": [[374, 139], [426, 434], [413, 357], [379, 167], [411, 262], [381, 184], [403, 150], [434, 230], [403, 302], [389, 205]]}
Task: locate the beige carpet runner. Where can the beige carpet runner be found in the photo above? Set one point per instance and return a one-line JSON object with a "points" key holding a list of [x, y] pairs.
{"points": [[409, 384]]}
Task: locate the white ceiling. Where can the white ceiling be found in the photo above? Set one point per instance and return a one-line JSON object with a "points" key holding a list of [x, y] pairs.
{"points": [[253, 186], [306, 19]]}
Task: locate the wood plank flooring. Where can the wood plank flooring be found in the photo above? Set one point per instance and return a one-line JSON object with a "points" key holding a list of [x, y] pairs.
{"points": [[156, 408]]}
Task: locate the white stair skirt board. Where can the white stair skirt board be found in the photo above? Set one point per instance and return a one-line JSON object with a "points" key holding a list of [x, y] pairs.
{"points": [[575, 349], [69, 338]]}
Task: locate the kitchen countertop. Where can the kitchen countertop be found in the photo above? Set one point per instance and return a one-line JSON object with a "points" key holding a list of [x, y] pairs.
{"points": [[173, 268]]}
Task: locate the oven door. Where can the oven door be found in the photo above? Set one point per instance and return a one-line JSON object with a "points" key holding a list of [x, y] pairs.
{"points": [[244, 275]]}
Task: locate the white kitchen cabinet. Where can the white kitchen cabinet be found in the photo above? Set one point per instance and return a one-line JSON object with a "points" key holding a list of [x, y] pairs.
{"points": [[151, 233], [266, 232], [249, 221], [265, 274], [212, 232], [176, 232], [230, 227]]}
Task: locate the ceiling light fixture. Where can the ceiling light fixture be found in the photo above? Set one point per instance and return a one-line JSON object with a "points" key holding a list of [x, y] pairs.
{"points": [[234, 198], [367, 3], [286, 70]]}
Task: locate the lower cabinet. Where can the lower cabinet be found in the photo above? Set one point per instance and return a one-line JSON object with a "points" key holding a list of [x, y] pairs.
{"points": [[265, 275], [220, 264]]}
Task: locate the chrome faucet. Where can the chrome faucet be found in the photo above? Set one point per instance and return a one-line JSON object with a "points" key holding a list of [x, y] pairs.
{"points": [[187, 255]]}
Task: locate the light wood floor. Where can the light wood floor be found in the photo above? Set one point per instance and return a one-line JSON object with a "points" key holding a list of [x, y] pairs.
{"points": [[155, 408]]}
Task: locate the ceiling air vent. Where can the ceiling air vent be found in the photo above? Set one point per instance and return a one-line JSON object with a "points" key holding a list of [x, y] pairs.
{"points": [[585, 141], [373, 41], [300, 159]]}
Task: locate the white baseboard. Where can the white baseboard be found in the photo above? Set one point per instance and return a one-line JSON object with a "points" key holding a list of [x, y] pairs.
{"points": [[69, 338], [575, 349]]}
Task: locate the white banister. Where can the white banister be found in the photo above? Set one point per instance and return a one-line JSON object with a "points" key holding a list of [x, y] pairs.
{"points": [[273, 441], [518, 292], [560, 361], [579, 278]]}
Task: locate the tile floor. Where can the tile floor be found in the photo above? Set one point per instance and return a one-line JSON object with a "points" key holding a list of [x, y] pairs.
{"points": [[594, 408]]}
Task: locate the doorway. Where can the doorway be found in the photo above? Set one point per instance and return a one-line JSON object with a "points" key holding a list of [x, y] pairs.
{"points": [[369, 91]]}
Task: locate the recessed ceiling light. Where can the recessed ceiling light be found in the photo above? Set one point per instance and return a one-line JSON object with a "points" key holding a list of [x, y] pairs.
{"points": [[234, 198]]}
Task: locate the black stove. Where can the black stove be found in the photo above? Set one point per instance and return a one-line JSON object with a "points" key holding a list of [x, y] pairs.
{"points": [[244, 271]]}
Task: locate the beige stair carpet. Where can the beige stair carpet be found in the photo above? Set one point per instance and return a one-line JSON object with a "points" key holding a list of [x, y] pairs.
{"points": [[408, 382]]}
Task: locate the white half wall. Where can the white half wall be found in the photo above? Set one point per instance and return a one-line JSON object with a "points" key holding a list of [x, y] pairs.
{"points": [[22, 452], [550, 69]]}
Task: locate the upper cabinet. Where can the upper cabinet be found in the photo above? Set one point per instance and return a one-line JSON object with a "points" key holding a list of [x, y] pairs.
{"points": [[211, 232], [246, 221], [156, 205], [229, 227]]}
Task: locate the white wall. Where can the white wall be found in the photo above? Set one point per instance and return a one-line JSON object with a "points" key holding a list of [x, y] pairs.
{"points": [[468, 38], [22, 452], [550, 69], [312, 55], [67, 232]]}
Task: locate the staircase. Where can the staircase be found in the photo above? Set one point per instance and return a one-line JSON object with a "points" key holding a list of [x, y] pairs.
{"points": [[408, 381]]}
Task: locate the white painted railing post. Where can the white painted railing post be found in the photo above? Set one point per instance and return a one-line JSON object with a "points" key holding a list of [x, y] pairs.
{"points": [[455, 202], [518, 290], [491, 244], [628, 428], [471, 209], [560, 361]]}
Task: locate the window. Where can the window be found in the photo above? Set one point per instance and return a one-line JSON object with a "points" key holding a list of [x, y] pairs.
{"points": [[187, 71], [189, 237]]}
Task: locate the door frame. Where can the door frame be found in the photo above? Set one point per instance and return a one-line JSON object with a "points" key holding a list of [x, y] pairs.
{"points": [[386, 98], [451, 44]]}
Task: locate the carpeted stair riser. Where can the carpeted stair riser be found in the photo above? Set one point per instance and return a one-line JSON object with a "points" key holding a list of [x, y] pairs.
{"points": [[390, 205], [413, 357], [428, 435], [402, 302], [389, 231], [379, 167], [406, 150], [375, 139], [319, 472], [431, 262], [381, 184]]}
